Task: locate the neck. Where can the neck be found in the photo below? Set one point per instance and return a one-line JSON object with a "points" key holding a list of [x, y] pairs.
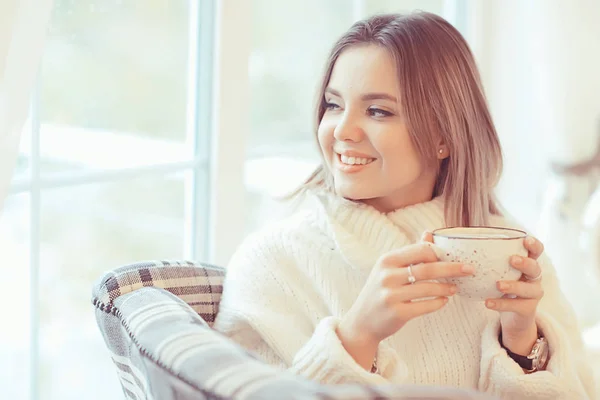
{"points": [[396, 201]]}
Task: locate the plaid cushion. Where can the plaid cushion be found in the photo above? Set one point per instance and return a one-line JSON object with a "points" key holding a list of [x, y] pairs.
{"points": [[200, 285], [163, 349]]}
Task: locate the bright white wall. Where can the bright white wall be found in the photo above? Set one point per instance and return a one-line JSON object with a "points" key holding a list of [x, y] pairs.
{"points": [[506, 65], [540, 62]]}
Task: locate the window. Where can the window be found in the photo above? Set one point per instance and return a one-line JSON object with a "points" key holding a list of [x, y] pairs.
{"points": [[112, 160]]}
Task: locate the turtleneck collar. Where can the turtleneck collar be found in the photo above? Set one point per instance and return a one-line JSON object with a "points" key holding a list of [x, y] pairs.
{"points": [[362, 234]]}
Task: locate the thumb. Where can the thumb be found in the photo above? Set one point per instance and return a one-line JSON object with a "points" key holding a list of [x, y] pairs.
{"points": [[427, 237]]}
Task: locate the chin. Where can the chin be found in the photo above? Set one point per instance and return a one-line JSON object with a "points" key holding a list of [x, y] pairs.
{"points": [[353, 193]]}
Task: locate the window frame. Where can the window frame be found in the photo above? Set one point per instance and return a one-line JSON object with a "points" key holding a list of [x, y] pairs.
{"points": [[201, 38]]}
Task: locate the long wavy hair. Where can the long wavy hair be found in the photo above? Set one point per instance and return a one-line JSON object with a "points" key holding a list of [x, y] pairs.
{"points": [[443, 99]]}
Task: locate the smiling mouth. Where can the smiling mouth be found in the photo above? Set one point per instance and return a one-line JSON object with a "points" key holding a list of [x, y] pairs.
{"points": [[352, 164], [354, 160]]}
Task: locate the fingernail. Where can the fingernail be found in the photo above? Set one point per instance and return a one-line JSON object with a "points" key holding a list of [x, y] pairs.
{"points": [[502, 285], [490, 304], [453, 289], [530, 240], [517, 260], [468, 269]]}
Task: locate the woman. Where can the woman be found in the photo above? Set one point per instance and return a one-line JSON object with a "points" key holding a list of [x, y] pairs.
{"points": [[408, 145]]}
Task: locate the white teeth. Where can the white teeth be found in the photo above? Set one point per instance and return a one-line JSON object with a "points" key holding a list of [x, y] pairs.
{"points": [[355, 160]]}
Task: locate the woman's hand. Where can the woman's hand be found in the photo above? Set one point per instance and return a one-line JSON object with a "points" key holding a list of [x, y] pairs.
{"points": [[389, 300], [519, 305]]}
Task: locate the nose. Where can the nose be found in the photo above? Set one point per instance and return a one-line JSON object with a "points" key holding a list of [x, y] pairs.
{"points": [[348, 129]]}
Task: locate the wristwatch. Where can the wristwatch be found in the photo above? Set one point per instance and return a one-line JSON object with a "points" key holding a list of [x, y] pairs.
{"points": [[537, 358]]}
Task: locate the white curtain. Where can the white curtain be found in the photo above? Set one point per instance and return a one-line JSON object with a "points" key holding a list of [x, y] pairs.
{"points": [[23, 25]]}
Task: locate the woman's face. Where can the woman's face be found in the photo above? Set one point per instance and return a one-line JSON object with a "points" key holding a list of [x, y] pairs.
{"points": [[363, 135]]}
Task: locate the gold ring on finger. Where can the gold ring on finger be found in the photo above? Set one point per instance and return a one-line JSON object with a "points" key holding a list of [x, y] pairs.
{"points": [[537, 278]]}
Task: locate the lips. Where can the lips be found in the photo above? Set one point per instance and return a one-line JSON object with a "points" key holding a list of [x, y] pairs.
{"points": [[351, 153], [355, 160], [352, 162]]}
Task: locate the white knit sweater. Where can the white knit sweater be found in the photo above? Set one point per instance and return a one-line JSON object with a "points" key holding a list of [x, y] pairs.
{"points": [[288, 286]]}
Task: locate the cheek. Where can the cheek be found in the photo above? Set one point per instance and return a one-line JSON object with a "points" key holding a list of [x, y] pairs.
{"points": [[399, 156], [325, 138]]}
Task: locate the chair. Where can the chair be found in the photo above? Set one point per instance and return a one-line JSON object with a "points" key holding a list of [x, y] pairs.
{"points": [[156, 320]]}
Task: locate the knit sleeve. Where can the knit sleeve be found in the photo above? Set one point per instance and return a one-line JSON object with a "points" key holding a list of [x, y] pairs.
{"points": [[269, 307], [568, 374]]}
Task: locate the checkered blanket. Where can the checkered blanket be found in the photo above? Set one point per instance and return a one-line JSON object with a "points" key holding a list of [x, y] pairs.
{"points": [[156, 320]]}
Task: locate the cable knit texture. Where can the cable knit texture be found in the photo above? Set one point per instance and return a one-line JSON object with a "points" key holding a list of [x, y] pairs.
{"points": [[288, 285]]}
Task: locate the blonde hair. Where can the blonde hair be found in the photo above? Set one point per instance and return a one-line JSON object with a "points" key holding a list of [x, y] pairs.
{"points": [[442, 99]]}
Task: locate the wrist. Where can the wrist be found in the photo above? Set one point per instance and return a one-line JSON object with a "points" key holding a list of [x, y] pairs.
{"points": [[522, 342], [361, 347]]}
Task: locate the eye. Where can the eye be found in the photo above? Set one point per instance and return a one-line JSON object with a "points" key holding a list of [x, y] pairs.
{"points": [[378, 112], [330, 106]]}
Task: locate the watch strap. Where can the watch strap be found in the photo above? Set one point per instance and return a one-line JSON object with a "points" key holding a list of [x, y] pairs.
{"points": [[524, 361]]}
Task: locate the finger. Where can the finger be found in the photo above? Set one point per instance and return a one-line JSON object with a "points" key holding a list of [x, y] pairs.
{"points": [[439, 269], [526, 265], [534, 247], [413, 254], [427, 237], [525, 290], [421, 290], [418, 308], [522, 307], [394, 278]]}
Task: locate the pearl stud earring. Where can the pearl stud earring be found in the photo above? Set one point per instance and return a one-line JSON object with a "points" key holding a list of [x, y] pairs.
{"points": [[440, 151]]}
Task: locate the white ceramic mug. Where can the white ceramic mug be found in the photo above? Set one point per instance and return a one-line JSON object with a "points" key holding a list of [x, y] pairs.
{"points": [[488, 249]]}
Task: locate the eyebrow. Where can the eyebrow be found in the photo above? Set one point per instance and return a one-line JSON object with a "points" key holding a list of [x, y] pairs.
{"points": [[366, 96]]}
